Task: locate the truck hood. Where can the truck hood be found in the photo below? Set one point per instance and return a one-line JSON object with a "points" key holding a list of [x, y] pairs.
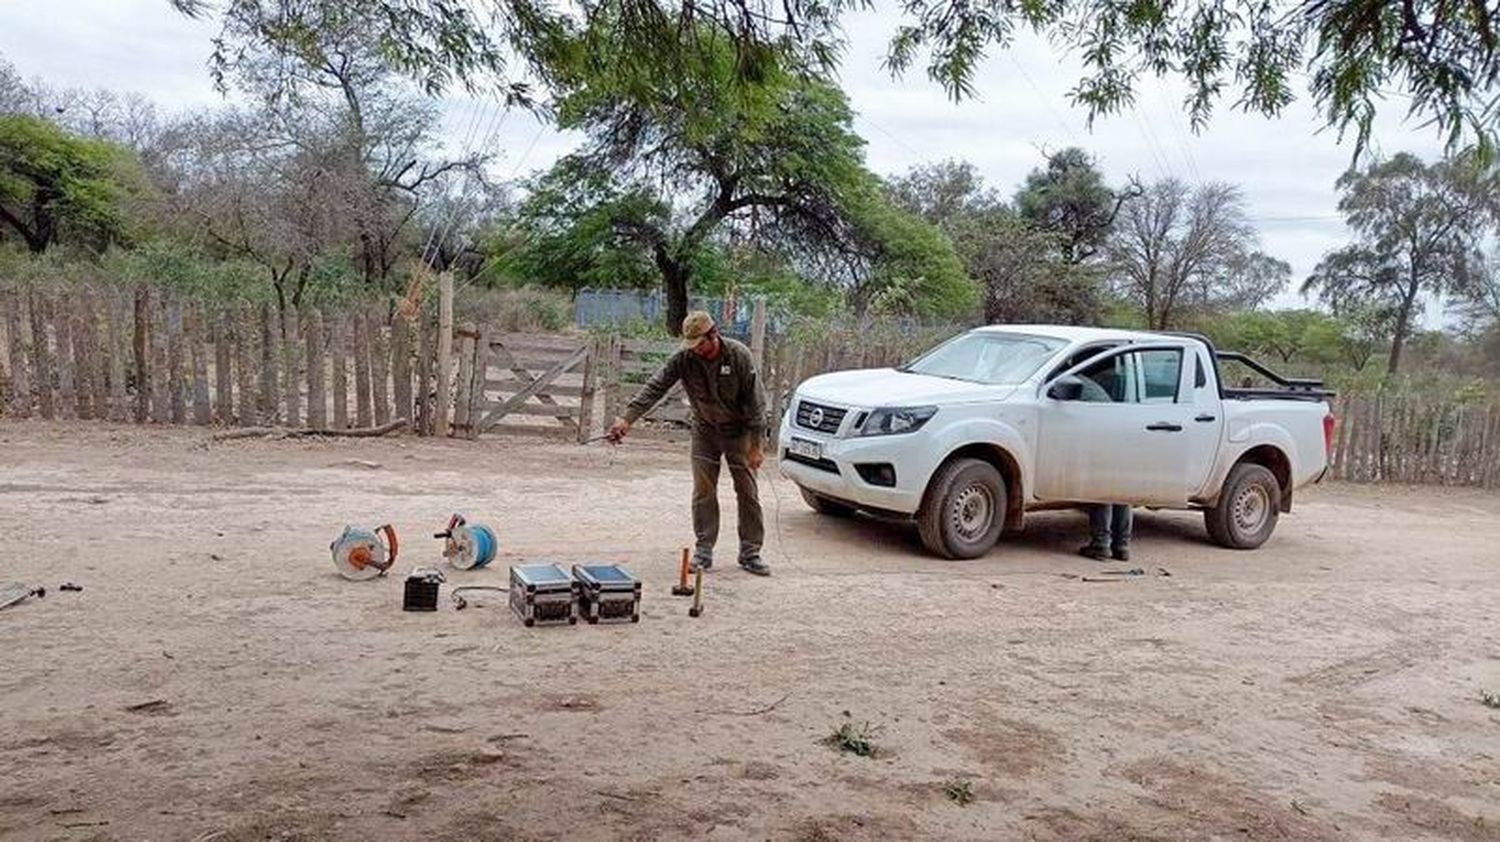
{"points": [[888, 387]]}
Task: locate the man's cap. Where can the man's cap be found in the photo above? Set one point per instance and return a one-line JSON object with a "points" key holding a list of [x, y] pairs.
{"points": [[695, 327]]}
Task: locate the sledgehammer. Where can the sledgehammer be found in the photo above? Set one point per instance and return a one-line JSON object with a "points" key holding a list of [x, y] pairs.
{"points": [[697, 609], [682, 588]]}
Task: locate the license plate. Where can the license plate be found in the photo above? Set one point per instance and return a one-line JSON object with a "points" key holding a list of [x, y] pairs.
{"points": [[806, 449]]}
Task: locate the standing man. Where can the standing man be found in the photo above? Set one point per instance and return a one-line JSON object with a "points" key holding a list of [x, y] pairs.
{"points": [[1110, 524], [729, 423], [1109, 532]]}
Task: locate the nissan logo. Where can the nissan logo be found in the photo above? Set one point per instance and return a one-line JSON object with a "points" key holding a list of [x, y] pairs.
{"points": [[815, 418]]}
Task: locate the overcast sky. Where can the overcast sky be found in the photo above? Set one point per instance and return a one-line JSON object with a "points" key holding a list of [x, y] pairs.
{"points": [[1286, 167]]}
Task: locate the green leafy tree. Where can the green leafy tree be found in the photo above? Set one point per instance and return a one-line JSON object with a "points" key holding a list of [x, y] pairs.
{"points": [[1286, 335], [901, 264], [1419, 230], [565, 233], [683, 156], [1443, 57], [1069, 198], [1021, 268], [53, 184]]}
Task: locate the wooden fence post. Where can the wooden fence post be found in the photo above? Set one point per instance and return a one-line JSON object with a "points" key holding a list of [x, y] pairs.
{"points": [[338, 347], [175, 387], [198, 350], [444, 353], [585, 395], [463, 394], [1492, 447], [1396, 442], [401, 367], [61, 316], [95, 360], [41, 355], [20, 382], [81, 311], [7, 378], [758, 333], [117, 312], [380, 366], [77, 354], [363, 409], [291, 368], [245, 337], [270, 393], [160, 375], [1341, 428], [317, 403], [1489, 457], [223, 369], [614, 348], [771, 380], [476, 389], [141, 345], [424, 376]]}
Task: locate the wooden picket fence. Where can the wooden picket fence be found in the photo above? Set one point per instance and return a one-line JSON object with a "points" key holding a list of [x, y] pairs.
{"points": [[144, 357], [148, 358], [1413, 439]]}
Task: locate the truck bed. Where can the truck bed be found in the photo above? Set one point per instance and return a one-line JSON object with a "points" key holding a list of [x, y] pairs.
{"points": [[1286, 388]]}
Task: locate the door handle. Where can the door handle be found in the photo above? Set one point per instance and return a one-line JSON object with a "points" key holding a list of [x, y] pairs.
{"points": [[1164, 427], [1205, 418]]}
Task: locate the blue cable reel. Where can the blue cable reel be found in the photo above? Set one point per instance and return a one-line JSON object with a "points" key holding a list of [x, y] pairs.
{"points": [[468, 546]]}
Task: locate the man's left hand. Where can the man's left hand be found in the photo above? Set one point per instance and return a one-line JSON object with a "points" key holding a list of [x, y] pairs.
{"points": [[756, 456]]}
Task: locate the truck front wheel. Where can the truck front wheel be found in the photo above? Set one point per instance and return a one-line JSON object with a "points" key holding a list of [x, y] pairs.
{"points": [[1248, 507], [964, 510]]}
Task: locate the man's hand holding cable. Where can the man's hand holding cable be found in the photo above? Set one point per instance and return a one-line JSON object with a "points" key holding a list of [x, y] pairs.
{"points": [[617, 430]]}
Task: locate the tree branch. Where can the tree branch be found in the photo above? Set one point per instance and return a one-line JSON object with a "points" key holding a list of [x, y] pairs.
{"points": [[26, 234]]}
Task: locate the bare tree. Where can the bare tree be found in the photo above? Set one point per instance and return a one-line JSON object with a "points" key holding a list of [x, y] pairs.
{"points": [[1178, 250], [339, 100], [1419, 229], [334, 165]]}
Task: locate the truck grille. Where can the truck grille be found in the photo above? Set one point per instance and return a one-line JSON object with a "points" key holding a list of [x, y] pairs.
{"points": [[816, 416]]}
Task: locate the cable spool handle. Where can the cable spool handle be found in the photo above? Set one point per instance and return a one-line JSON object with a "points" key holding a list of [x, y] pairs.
{"points": [[454, 522], [390, 535]]}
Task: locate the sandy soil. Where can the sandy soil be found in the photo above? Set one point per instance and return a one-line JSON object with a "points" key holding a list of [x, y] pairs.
{"points": [[1324, 687]]}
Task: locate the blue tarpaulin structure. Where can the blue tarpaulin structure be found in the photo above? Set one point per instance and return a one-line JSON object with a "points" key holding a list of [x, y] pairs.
{"points": [[603, 308]]}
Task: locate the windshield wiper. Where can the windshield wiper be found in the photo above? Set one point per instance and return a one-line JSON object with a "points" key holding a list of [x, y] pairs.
{"points": [[943, 376]]}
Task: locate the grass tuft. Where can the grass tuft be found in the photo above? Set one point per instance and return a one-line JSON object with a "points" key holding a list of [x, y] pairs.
{"points": [[960, 791], [854, 738]]}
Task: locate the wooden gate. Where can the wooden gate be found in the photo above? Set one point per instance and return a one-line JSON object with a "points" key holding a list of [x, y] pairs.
{"points": [[524, 378]]}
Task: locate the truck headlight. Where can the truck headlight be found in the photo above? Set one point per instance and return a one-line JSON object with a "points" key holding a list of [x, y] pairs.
{"points": [[890, 420]]}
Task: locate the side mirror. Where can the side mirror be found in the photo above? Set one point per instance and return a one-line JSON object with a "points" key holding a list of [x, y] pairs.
{"points": [[1067, 389]]}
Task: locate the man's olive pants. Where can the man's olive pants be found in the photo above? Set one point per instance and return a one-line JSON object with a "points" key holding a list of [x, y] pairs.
{"points": [[709, 447]]}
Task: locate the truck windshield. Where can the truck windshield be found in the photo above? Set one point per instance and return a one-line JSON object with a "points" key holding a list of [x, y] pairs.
{"points": [[986, 357]]}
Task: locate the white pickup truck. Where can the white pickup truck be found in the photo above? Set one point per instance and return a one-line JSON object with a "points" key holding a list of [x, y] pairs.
{"points": [[1004, 419]]}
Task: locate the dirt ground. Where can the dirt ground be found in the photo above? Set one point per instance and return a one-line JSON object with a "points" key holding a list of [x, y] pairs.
{"points": [[1326, 686]]}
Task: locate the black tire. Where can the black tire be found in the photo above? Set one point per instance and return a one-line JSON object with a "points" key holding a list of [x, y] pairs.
{"points": [[964, 511], [825, 506], [1247, 510]]}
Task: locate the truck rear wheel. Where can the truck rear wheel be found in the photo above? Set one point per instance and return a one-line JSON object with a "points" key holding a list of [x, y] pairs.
{"points": [[825, 506], [964, 511], [1248, 507]]}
